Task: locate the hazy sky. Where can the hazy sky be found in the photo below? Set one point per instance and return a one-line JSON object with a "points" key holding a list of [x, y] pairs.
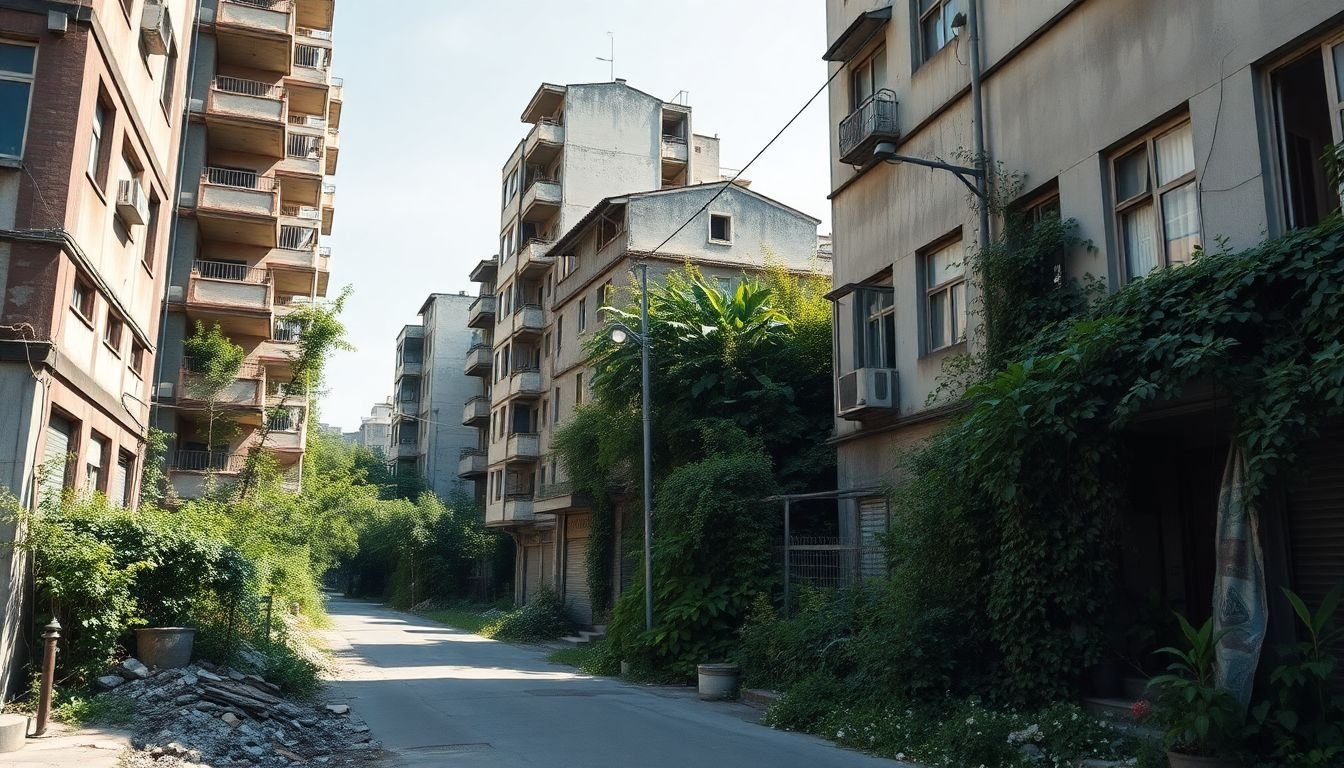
{"points": [[433, 91]]}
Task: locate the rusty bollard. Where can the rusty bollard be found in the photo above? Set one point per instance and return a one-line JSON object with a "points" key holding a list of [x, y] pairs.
{"points": [[50, 634]]}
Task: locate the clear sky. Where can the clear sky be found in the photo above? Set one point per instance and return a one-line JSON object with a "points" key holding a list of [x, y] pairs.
{"points": [[433, 94]]}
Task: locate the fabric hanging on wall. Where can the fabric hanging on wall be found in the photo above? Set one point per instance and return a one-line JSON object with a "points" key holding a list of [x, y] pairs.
{"points": [[1240, 610]]}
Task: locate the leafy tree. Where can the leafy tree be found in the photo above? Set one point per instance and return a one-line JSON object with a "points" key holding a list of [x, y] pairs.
{"points": [[213, 362]]}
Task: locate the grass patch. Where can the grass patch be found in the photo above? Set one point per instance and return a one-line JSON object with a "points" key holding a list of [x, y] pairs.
{"points": [[78, 710], [461, 618], [572, 657]]}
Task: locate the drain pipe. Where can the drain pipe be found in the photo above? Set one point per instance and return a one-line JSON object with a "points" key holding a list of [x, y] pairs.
{"points": [[978, 120]]}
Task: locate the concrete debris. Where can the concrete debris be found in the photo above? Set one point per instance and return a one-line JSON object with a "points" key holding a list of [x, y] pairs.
{"points": [[203, 716], [108, 682], [132, 669]]}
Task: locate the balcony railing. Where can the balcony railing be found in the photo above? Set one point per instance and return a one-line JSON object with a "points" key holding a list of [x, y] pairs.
{"points": [[244, 87], [312, 56], [208, 461], [316, 34], [308, 121], [228, 177], [294, 238], [871, 122], [226, 270], [303, 147], [282, 6]]}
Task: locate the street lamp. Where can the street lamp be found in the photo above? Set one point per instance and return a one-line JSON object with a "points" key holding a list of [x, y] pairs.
{"points": [[621, 334]]}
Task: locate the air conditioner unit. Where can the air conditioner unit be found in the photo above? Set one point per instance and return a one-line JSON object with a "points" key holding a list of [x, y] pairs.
{"points": [[156, 30], [867, 389], [166, 391], [132, 206], [175, 293]]}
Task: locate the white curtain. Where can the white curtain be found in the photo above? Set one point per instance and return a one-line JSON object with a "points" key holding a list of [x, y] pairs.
{"points": [[1180, 223], [1140, 249], [1175, 155]]}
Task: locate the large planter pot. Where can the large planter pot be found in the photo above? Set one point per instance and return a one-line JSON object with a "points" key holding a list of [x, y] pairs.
{"points": [[1179, 760], [164, 647], [717, 681]]}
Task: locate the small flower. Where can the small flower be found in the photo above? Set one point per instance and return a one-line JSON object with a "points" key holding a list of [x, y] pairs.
{"points": [[1141, 709]]}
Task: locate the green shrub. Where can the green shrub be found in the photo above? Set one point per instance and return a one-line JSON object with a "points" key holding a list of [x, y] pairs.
{"points": [[544, 618]]}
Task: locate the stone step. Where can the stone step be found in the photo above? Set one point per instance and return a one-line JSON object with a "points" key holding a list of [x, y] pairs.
{"points": [[575, 640], [759, 697], [592, 636]]}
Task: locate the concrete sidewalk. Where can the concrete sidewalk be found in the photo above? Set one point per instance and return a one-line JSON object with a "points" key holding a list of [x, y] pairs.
{"points": [[64, 747]]}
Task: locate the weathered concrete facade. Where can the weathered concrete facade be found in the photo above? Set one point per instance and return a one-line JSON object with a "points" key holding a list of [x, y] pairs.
{"points": [[88, 155], [264, 137]]}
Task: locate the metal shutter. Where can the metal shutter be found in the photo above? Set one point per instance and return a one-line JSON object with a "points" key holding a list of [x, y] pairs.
{"points": [[55, 459], [1316, 523], [119, 492], [872, 524], [578, 598], [531, 572], [548, 559]]}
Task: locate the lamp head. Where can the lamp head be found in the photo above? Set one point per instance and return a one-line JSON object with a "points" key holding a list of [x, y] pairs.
{"points": [[619, 335], [885, 150], [958, 23]]}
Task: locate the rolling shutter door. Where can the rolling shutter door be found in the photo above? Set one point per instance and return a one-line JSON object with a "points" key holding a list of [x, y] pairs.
{"points": [[577, 595], [119, 492], [1316, 520], [55, 458], [548, 560], [531, 572], [872, 524]]}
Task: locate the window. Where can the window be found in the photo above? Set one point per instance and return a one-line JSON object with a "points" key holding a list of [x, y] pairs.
{"points": [[935, 25], [119, 492], [604, 296], [559, 332], [169, 78], [878, 329], [555, 412], [720, 228], [1036, 208], [544, 411], [583, 315], [94, 473], [81, 299], [97, 147], [151, 232], [1305, 127], [867, 78], [137, 363], [578, 389], [1156, 204], [944, 297], [112, 332], [17, 67], [725, 285], [546, 345]]}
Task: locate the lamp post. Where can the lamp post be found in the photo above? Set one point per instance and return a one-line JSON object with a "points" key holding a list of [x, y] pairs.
{"points": [[620, 334]]}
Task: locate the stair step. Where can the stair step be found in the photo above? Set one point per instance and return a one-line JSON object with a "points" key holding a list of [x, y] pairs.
{"points": [[574, 640]]}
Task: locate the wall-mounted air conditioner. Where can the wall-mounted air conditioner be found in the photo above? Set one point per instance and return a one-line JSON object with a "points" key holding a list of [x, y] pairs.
{"points": [[175, 293], [867, 389], [166, 391], [156, 31], [132, 206]]}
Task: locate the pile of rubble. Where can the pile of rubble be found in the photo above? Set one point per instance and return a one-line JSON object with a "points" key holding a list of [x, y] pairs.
{"points": [[213, 716]]}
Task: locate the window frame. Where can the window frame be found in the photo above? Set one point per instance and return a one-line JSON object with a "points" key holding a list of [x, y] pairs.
{"points": [[100, 150], [29, 79], [136, 361], [724, 217], [929, 292], [81, 294], [865, 67], [114, 330], [920, 17], [583, 314], [1152, 196]]}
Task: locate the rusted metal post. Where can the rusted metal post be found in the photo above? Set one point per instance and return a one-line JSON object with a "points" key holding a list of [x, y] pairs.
{"points": [[50, 634]]}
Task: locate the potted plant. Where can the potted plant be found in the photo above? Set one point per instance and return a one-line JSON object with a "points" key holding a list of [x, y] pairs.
{"points": [[1204, 724]]}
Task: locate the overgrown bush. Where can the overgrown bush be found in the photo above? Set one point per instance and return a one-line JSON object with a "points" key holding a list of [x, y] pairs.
{"points": [[544, 618]]}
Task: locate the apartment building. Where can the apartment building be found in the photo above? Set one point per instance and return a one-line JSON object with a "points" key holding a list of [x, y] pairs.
{"points": [[90, 115], [428, 437], [1155, 126], [263, 140], [605, 174], [375, 430]]}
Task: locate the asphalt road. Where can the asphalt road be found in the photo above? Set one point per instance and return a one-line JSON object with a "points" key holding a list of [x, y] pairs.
{"points": [[437, 696]]}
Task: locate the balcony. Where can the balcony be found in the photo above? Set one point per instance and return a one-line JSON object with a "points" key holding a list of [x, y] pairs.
{"points": [[333, 150], [534, 258], [238, 207], [328, 202], [522, 447], [476, 412], [485, 271], [472, 463], [408, 450], [246, 116], [479, 362], [245, 391], [675, 151], [285, 431], [191, 471], [336, 97], [236, 296], [481, 314], [304, 150], [529, 321], [526, 382], [544, 142], [312, 61], [874, 121], [558, 498], [541, 200], [410, 366], [257, 34], [315, 15]]}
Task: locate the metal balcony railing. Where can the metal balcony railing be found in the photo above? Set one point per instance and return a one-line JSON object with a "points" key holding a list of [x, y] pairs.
{"points": [[294, 238], [230, 177], [468, 453], [226, 270], [244, 87], [875, 117], [311, 56], [283, 6], [303, 147], [208, 461], [316, 34], [282, 422], [308, 121]]}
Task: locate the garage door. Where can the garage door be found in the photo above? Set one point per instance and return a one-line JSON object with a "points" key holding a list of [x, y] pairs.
{"points": [[55, 458], [548, 559], [1316, 510], [577, 596], [531, 572]]}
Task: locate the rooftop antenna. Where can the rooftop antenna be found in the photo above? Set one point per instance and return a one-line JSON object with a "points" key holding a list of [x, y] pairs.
{"points": [[612, 60]]}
